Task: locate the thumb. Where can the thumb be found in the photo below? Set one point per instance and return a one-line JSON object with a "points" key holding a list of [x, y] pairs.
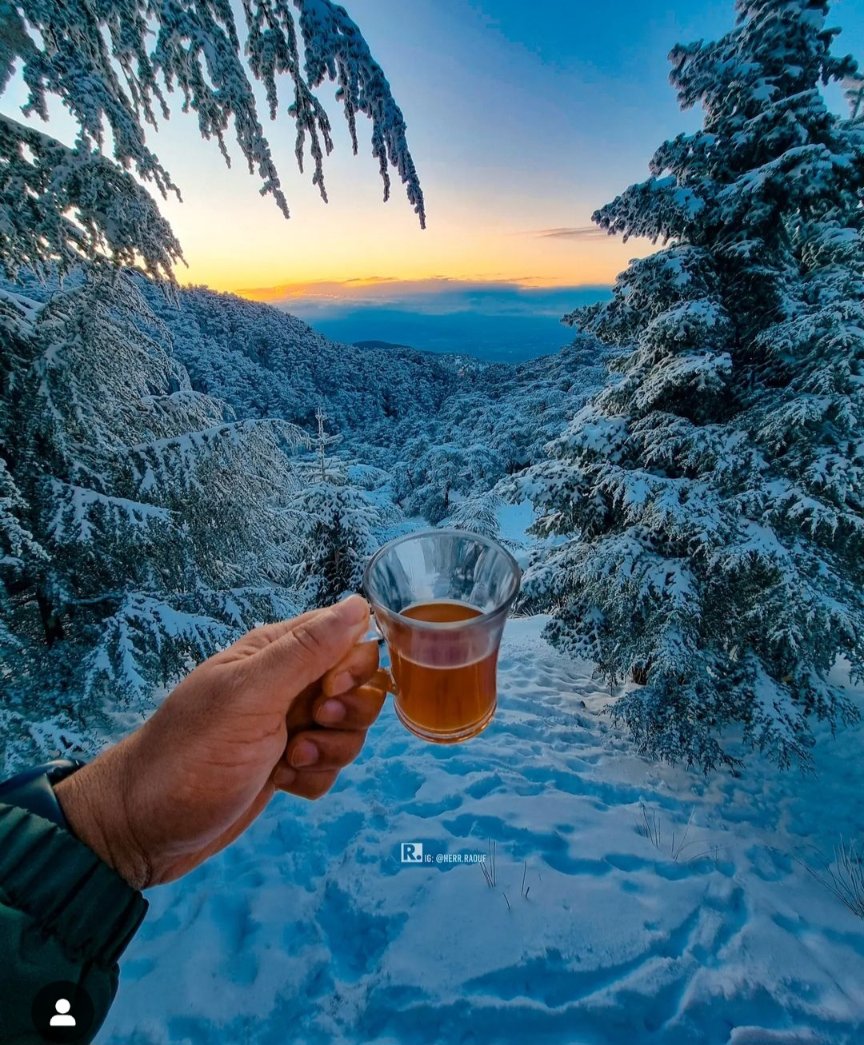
{"points": [[315, 645]]}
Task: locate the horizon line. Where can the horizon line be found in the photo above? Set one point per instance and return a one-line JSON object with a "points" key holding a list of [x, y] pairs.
{"points": [[430, 285]]}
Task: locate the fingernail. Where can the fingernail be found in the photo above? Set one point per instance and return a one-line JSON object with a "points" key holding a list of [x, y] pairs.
{"points": [[304, 754], [331, 711], [342, 682], [352, 610]]}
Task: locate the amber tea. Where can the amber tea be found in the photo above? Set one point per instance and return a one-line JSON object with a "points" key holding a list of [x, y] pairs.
{"points": [[439, 699]]}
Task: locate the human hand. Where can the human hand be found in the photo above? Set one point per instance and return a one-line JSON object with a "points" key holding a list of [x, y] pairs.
{"points": [[285, 708]]}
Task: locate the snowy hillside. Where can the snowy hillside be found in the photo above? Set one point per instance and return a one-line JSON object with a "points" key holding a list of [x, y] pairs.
{"points": [[268, 363], [137, 419]]}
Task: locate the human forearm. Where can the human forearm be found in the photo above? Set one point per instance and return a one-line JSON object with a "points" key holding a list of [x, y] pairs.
{"points": [[64, 917]]}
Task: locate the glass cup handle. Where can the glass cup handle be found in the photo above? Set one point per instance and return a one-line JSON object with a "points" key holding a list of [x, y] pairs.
{"points": [[382, 678], [372, 633]]}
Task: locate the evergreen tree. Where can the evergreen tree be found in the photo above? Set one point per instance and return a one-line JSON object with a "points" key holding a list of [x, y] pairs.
{"points": [[431, 470], [334, 527], [141, 525], [477, 513], [711, 496]]}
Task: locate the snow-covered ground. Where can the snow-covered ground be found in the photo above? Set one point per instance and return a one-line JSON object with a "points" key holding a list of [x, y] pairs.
{"points": [[310, 929]]}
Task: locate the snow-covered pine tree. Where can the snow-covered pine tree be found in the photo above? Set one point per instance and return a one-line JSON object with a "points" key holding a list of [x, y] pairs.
{"points": [[712, 495], [334, 533], [334, 526], [432, 468], [141, 526], [113, 68], [478, 513]]}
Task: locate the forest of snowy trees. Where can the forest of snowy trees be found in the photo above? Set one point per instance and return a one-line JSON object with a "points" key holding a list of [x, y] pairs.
{"points": [[176, 466], [170, 490]]}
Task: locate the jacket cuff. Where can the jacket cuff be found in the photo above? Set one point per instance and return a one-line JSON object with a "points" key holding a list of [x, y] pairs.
{"points": [[66, 888]]}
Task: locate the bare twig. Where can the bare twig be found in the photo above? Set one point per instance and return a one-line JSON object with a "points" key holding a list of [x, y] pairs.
{"points": [[679, 845], [488, 867], [650, 826]]}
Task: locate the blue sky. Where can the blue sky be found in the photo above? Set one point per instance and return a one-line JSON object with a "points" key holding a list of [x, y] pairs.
{"points": [[526, 123]]}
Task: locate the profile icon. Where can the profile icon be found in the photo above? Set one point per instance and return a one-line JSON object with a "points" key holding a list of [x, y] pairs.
{"points": [[62, 1017], [62, 1012]]}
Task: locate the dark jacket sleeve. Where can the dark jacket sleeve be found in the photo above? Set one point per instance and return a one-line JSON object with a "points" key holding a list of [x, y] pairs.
{"points": [[64, 916]]}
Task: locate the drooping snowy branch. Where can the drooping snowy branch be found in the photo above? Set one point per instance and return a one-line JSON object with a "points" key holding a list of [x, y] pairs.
{"points": [[335, 48], [114, 68]]}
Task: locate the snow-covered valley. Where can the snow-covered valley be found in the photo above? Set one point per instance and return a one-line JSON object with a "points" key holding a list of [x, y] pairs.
{"points": [[631, 902]]}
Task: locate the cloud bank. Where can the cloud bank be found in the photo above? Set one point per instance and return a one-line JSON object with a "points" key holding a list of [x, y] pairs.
{"points": [[508, 320], [578, 232]]}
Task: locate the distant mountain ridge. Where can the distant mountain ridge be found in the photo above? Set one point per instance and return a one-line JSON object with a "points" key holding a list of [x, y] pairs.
{"points": [[379, 344]]}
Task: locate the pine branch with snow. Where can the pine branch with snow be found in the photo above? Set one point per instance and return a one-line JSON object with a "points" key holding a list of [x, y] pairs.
{"points": [[79, 205], [142, 525]]}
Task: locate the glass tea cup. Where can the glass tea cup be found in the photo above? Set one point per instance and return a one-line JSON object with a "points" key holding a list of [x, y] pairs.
{"points": [[440, 599]]}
